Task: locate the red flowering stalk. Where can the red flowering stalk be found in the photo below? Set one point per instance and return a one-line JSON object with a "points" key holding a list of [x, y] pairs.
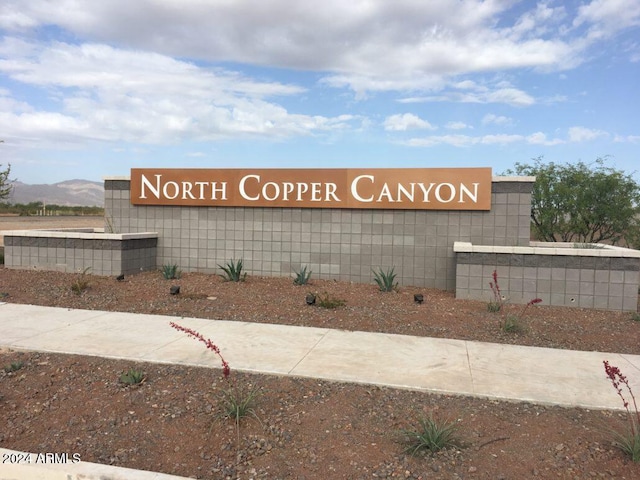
{"points": [[618, 379], [495, 288], [226, 370], [531, 302], [497, 303]]}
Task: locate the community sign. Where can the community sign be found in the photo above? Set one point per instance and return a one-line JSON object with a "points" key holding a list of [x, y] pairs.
{"points": [[379, 188]]}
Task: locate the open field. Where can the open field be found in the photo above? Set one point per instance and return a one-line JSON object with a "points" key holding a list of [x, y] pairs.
{"points": [[8, 223]]}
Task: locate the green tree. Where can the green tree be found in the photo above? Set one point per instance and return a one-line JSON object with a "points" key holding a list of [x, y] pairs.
{"points": [[582, 203], [5, 183]]}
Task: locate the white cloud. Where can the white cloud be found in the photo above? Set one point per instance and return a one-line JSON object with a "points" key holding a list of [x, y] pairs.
{"points": [[454, 140], [463, 140], [369, 46], [109, 94], [501, 139], [406, 121], [627, 139], [457, 126], [508, 96], [537, 138], [582, 134], [492, 119], [606, 17], [540, 138]]}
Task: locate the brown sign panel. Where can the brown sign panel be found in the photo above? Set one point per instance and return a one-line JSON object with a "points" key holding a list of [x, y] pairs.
{"points": [[407, 188]]}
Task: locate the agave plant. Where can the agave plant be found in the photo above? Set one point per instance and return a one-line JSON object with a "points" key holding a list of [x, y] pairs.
{"points": [[233, 271], [386, 279], [302, 277], [132, 377]]}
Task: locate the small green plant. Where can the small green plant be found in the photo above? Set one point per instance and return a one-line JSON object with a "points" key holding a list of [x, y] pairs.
{"points": [[13, 367], [628, 441], [170, 272], [302, 277], [386, 279], [132, 377], [512, 323], [431, 434], [496, 304], [327, 301], [635, 316], [238, 403], [233, 271], [81, 283]]}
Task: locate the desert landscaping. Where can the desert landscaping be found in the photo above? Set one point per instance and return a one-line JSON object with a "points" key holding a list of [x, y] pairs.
{"points": [[300, 428]]}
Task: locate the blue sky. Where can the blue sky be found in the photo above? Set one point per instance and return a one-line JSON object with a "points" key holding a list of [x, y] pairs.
{"points": [[91, 89]]}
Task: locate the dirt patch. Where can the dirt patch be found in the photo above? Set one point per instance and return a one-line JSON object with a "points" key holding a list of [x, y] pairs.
{"points": [[302, 429]]}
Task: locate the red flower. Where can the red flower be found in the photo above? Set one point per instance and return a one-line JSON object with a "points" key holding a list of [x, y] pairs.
{"points": [[226, 370]]}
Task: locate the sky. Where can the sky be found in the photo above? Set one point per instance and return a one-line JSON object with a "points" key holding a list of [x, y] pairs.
{"points": [[90, 89]]}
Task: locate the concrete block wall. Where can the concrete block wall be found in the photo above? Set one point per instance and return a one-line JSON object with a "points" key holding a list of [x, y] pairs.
{"points": [[344, 244], [98, 254], [604, 278]]}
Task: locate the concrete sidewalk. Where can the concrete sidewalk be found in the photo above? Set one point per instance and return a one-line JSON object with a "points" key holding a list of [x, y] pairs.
{"points": [[539, 375]]}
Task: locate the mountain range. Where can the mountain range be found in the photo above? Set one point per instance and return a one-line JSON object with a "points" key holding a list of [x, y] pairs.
{"points": [[68, 193]]}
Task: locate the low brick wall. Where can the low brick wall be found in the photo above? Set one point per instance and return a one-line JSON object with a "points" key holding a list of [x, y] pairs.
{"points": [[77, 250], [604, 278]]}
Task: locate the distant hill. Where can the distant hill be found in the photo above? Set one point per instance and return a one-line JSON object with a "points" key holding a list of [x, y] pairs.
{"points": [[68, 193]]}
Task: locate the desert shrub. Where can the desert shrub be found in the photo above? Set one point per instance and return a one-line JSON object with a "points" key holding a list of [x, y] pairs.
{"points": [[513, 323], [327, 301], [238, 402], [81, 282], [430, 434]]}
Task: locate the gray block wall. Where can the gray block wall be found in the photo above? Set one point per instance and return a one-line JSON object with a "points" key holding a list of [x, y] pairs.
{"points": [[344, 244], [41, 251], [580, 280]]}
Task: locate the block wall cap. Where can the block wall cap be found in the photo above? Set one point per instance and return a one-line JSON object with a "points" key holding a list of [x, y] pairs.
{"points": [[89, 234], [116, 178], [548, 248]]}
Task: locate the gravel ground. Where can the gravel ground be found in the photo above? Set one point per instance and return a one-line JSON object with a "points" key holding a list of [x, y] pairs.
{"points": [[300, 428]]}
